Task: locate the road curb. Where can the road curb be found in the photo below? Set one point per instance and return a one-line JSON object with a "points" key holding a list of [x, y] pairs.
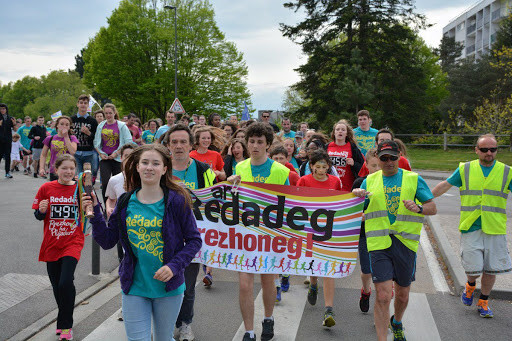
{"points": [[36, 327], [453, 261]]}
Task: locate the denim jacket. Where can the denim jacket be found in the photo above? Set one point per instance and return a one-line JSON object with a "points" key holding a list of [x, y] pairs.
{"points": [[181, 237]]}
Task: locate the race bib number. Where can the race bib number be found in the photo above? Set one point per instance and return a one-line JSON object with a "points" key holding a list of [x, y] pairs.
{"points": [[63, 211]]}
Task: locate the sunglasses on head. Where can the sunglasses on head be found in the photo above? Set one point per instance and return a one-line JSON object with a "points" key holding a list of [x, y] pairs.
{"points": [[385, 158], [485, 150]]}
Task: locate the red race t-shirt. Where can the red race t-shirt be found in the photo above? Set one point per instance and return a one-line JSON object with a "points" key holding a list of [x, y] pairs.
{"points": [[309, 180], [211, 157], [62, 237], [339, 156]]}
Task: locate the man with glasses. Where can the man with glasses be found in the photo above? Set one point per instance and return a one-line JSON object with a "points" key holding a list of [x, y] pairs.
{"points": [[265, 118], [393, 225], [484, 186]]}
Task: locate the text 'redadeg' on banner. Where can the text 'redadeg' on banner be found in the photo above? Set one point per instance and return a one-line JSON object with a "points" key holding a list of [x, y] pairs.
{"points": [[275, 229]]}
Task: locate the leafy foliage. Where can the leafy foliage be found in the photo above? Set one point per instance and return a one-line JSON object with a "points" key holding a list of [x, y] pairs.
{"points": [[132, 60]]}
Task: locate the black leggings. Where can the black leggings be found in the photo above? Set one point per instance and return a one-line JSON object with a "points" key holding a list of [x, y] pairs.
{"points": [[62, 274], [108, 168], [5, 153]]}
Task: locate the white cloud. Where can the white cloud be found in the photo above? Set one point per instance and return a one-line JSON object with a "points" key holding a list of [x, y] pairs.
{"points": [[439, 18]]}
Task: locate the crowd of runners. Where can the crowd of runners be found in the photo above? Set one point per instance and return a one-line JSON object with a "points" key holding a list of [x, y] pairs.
{"points": [[145, 169]]}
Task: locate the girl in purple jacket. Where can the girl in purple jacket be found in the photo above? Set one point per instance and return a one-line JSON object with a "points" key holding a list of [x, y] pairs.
{"points": [[157, 229]]}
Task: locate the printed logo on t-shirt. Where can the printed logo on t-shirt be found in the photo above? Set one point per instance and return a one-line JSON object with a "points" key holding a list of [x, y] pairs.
{"points": [[62, 216], [260, 179], [365, 142], [59, 146], [151, 242], [393, 198], [109, 137]]}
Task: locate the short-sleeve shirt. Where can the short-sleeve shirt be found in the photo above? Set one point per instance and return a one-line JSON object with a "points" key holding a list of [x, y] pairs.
{"points": [[393, 189], [23, 131], [161, 131], [289, 135], [212, 158], [15, 148], [148, 136], [115, 186], [57, 147], [135, 132], [365, 139], [332, 182], [110, 138], [188, 176], [456, 180], [339, 155], [144, 228], [61, 236]]}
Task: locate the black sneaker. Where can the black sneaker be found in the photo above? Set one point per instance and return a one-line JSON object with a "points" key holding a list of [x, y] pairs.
{"points": [[364, 301], [397, 330], [247, 337], [35, 175], [312, 294], [268, 330], [8, 176]]}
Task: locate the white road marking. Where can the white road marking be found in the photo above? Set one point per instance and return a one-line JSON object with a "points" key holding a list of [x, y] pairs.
{"points": [[287, 315], [433, 265]]}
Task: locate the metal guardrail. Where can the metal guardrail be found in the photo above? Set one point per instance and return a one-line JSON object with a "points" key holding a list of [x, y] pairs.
{"points": [[446, 143]]}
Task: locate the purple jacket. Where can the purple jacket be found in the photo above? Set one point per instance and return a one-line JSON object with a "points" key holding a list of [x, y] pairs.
{"points": [[181, 238]]}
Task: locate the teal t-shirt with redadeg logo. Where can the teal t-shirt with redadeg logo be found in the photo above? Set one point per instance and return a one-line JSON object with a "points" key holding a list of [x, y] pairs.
{"points": [[393, 189], [188, 176], [144, 227], [365, 139], [23, 131], [148, 137]]}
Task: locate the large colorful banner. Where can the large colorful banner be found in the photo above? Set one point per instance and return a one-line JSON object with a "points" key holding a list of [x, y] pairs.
{"points": [[274, 229]]}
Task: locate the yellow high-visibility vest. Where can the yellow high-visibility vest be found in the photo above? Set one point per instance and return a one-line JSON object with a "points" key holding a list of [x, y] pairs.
{"points": [[278, 172], [484, 197], [407, 226]]}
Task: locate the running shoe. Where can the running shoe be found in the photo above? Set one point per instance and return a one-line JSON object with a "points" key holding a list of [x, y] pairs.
{"points": [[186, 333], [8, 176], [17, 169], [35, 175], [467, 294], [267, 332], [278, 294], [364, 301], [66, 334], [285, 283], [58, 331], [397, 330], [25, 172], [483, 309], [208, 280], [329, 318], [120, 315], [247, 337], [312, 294]]}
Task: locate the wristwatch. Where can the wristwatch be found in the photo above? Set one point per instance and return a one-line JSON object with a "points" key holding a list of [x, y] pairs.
{"points": [[421, 209]]}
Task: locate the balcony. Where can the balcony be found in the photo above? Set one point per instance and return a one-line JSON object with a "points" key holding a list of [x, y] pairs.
{"points": [[471, 29], [496, 14], [470, 49]]}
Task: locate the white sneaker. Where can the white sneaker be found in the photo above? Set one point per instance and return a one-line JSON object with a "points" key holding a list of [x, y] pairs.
{"points": [[186, 333]]}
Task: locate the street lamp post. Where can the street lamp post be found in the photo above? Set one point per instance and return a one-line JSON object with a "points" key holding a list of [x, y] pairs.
{"points": [[175, 50]]}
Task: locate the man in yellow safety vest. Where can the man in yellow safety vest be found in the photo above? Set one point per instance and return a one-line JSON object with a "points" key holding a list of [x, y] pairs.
{"points": [[393, 222], [484, 186]]}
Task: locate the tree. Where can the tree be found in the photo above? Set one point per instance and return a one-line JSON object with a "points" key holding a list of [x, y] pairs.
{"points": [[361, 54], [21, 93], [132, 60], [504, 34], [448, 52]]}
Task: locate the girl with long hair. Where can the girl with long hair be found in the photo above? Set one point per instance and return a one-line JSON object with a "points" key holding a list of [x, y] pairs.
{"points": [[64, 142], [156, 226], [234, 152], [111, 136], [291, 148], [63, 241], [344, 153], [204, 138]]}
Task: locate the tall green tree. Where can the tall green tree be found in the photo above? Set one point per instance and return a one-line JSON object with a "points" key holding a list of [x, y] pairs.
{"points": [[504, 34], [20, 93], [132, 60], [449, 51], [392, 76]]}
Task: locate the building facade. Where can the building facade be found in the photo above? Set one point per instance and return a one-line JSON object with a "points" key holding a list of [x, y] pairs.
{"points": [[476, 28]]}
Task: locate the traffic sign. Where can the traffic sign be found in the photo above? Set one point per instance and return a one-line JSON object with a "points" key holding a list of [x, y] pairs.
{"points": [[176, 107]]}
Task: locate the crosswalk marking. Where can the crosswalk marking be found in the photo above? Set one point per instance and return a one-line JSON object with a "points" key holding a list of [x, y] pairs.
{"points": [[287, 315]]}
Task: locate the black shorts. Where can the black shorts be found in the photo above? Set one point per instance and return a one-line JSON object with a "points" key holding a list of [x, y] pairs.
{"points": [[397, 263], [24, 153]]}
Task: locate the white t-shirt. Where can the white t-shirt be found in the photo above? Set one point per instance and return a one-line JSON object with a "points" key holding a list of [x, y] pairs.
{"points": [[115, 186]]}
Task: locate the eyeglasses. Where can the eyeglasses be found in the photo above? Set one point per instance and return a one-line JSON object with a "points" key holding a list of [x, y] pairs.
{"points": [[386, 158], [485, 150]]}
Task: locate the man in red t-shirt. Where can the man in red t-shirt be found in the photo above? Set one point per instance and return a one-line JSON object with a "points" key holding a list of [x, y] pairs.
{"points": [[136, 134]]}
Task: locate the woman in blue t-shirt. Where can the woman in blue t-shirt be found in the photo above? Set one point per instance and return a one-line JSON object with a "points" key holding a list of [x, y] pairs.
{"points": [[158, 231]]}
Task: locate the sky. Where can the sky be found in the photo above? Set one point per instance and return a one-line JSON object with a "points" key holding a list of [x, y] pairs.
{"points": [[40, 36]]}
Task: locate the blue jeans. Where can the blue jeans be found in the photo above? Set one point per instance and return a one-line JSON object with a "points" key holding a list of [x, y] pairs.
{"points": [[82, 157], [137, 313]]}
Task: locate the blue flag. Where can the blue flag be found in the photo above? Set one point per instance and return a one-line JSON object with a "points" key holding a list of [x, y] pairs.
{"points": [[245, 113]]}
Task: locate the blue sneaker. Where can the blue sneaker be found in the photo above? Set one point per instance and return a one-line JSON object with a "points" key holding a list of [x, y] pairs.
{"points": [[483, 309], [397, 330], [467, 295], [285, 283], [278, 296]]}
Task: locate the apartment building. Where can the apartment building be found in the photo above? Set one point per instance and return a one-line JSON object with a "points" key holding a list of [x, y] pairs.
{"points": [[476, 28]]}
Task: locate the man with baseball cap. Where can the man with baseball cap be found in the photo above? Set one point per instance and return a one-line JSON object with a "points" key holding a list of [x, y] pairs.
{"points": [[393, 222]]}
